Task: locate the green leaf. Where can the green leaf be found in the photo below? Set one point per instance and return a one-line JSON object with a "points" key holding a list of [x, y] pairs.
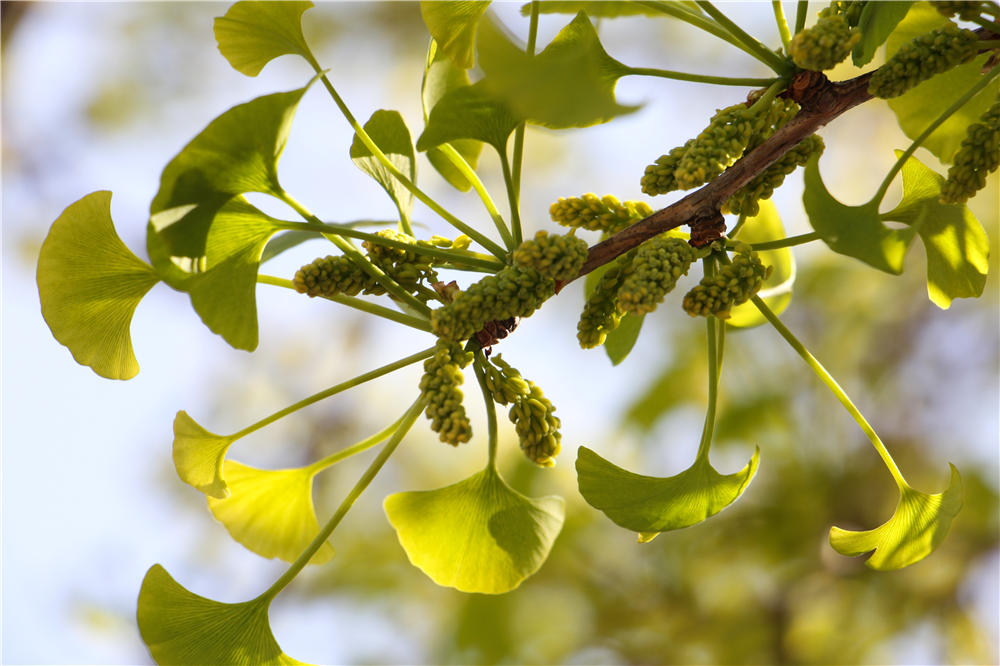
{"points": [[877, 21], [855, 231], [180, 627], [916, 109], [441, 76], [919, 524], [956, 244], [199, 456], [648, 504], [598, 8], [237, 153], [252, 34], [571, 83], [270, 511], [621, 340], [453, 26], [478, 535], [388, 130], [777, 289], [471, 112], [89, 284]]}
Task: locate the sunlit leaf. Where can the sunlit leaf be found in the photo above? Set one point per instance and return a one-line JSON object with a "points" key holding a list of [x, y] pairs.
{"points": [[199, 456], [956, 244], [453, 26], [238, 152], [777, 288], [270, 511], [855, 231], [89, 284], [916, 109], [621, 340], [598, 8], [286, 241], [388, 130], [471, 112], [648, 504], [252, 34], [180, 627], [441, 76], [478, 535], [571, 83], [918, 526], [876, 23]]}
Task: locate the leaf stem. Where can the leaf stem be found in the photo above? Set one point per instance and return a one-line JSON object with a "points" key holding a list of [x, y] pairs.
{"points": [[515, 214], [333, 390], [678, 11], [477, 184], [835, 388], [959, 103], [491, 408], [739, 225], [750, 44], [700, 78], [363, 445], [801, 11], [791, 241], [406, 422], [714, 368], [519, 130], [779, 18]]}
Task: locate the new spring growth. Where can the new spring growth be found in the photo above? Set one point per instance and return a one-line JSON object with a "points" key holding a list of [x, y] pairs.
{"points": [[825, 44], [965, 10], [407, 267], [733, 284], [654, 272], [978, 156], [927, 55], [440, 384], [332, 275], [532, 414], [595, 213], [746, 199], [849, 9], [557, 257], [602, 313]]}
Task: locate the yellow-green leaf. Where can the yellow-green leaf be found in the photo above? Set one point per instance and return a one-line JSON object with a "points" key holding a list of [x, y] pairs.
{"points": [[252, 34], [453, 26], [389, 132], [441, 76], [777, 288], [199, 456]]}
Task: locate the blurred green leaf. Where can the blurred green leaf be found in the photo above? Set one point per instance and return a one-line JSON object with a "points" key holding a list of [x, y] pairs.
{"points": [[252, 34], [598, 8], [478, 535], [622, 339], [648, 504], [89, 285], [777, 288], [453, 26], [956, 244], [855, 231], [180, 627], [199, 456], [916, 109], [919, 524], [571, 83], [471, 112], [441, 76], [877, 21], [388, 130], [270, 511]]}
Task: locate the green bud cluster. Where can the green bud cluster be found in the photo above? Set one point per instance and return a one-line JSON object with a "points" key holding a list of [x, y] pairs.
{"points": [[746, 199], [769, 121], [733, 284], [977, 157], [927, 55], [965, 10], [825, 44], [531, 412], [504, 382], [440, 384], [849, 9], [719, 145], [595, 213], [601, 313], [658, 177], [328, 276], [654, 272], [405, 266], [511, 292], [558, 257]]}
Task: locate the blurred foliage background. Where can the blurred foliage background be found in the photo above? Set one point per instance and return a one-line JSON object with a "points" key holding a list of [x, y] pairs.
{"points": [[101, 96]]}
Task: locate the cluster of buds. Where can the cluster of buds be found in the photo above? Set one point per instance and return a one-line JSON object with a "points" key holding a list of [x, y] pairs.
{"points": [[594, 213], [825, 44], [746, 199], [532, 414], [653, 273], [658, 178], [925, 56], [964, 9], [977, 157], [601, 313], [733, 284], [406, 266], [556, 256], [332, 275], [440, 384], [849, 9]]}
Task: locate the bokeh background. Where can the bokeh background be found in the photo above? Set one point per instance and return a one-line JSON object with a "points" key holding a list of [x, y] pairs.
{"points": [[101, 96]]}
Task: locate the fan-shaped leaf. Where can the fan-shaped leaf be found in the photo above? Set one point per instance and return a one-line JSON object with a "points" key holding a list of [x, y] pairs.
{"points": [[777, 288], [599, 8], [478, 535], [252, 34], [876, 23], [471, 112], [180, 627], [199, 456], [919, 524], [453, 26], [89, 284], [648, 504], [620, 341], [440, 77], [270, 511], [388, 130]]}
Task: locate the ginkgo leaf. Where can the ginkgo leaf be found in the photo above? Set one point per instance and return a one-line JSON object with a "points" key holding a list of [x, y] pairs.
{"points": [[252, 34], [855, 231], [598, 8], [440, 76], [236, 153], [956, 244], [199, 456], [876, 23], [570, 83], [270, 511], [648, 504], [470, 112], [919, 524], [389, 132], [478, 535], [453, 26], [621, 340], [180, 627], [89, 285], [777, 288]]}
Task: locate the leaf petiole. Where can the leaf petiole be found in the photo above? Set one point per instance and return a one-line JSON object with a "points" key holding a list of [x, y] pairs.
{"points": [[363, 445], [779, 18], [512, 199], [491, 408], [477, 184], [791, 241], [714, 335], [519, 131], [700, 78], [801, 10], [781, 66]]}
